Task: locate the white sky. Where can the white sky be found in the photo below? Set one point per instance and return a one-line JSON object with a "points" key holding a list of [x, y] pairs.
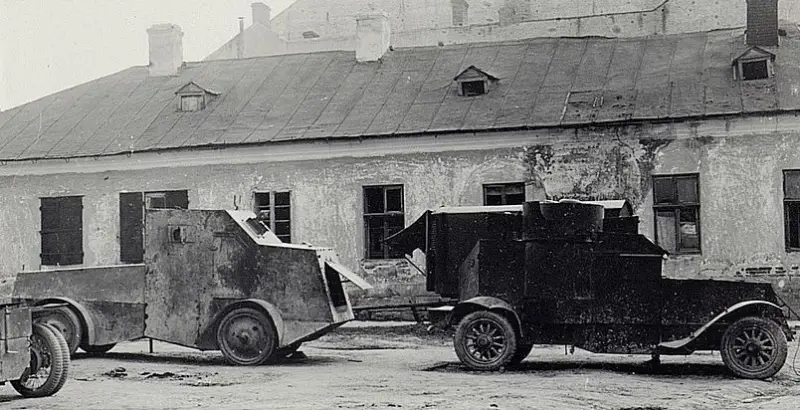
{"points": [[49, 45]]}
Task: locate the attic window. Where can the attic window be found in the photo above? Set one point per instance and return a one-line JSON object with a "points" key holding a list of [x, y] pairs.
{"points": [[474, 81], [192, 103], [192, 97], [472, 88], [754, 64]]}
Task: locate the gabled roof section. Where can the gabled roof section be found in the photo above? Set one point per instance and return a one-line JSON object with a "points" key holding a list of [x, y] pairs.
{"points": [[472, 72], [193, 89], [754, 53], [546, 82]]}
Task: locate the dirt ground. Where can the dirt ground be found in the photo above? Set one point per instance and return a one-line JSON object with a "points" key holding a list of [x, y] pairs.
{"points": [[360, 367]]}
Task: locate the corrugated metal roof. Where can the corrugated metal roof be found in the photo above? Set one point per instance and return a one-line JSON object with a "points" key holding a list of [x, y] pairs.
{"points": [[542, 82]]}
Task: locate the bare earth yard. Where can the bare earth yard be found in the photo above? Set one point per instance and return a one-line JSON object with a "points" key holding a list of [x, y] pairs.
{"points": [[360, 367]]}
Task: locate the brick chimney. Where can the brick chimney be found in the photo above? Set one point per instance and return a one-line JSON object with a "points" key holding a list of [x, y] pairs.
{"points": [[373, 36], [166, 49], [762, 23], [262, 14]]}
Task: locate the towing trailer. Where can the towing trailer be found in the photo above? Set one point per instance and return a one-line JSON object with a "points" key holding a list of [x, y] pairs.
{"points": [[211, 280]]}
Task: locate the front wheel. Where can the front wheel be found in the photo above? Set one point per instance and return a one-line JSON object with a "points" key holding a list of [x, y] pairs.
{"points": [[485, 341], [754, 348], [66, 321], [246, 337], [47, 370]]}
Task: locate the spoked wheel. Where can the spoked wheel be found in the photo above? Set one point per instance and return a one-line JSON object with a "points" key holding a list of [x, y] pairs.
{"points": [[62, 343], [523, 350], [46, 373], [97, 349], [754, 348], [246, 337], [485, 341], [67, 322]]}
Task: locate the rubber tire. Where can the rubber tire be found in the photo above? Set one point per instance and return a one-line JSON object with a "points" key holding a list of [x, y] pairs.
{"points": [[65, 352], [767, 325], [266, 323], [460, 340], [523, 350], [62, 317], [97, 350], [58, 363]]}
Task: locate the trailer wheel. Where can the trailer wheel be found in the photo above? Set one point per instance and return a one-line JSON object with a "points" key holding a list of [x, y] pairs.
{"points": [[44, 376], [523, 350], [485, 340], [754, 348], [62, 343], [246, 337], [97, 349], [67, 322]]}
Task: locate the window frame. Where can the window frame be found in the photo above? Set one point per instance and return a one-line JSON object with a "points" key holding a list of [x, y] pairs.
{"points": [[786, 223], [271, 207], [503, 195], [131, 231], [369, 216], [60, 202], [677, 206]]}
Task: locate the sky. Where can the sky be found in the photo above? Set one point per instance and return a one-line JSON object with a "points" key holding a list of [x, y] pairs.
{"points": [[50, 45]]}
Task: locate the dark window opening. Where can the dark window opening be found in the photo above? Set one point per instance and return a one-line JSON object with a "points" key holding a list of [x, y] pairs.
{"points": [[676, 206], [335, 286], [791, 208], [310, 34], [274, 209], [383, 217], [755, 70], [131, 218], [504, 194], [473, 88], [62, 230]]}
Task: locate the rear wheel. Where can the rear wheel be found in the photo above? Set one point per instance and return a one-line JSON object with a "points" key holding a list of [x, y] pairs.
{"points": [[485, 341], [62, 343], [46, 373], [246, 337], [754, 348], [66, 321]]}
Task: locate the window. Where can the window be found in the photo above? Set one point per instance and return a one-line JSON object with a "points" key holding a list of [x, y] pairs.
{"points": [[473, 88], [191, 103], [383, 217], [755, 70], [504, 194], [62, 230], [132, 215], [791, 208], [676, 205], [274, 209]]}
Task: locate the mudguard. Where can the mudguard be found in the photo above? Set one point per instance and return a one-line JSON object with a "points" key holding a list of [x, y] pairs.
{"points": [[273, 312], [482, 303], [83, 315], [680, 343]]}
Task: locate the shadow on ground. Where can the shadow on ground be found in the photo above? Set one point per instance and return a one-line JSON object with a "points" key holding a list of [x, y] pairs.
{"points": [[203, 359], [668, 369]]}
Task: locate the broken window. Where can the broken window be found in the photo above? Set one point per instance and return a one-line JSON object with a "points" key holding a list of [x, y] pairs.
{"points": [[504, 194], [383, 217], [132, 215], [274, 209], [791, 208], [62, 230], [676, 205]]}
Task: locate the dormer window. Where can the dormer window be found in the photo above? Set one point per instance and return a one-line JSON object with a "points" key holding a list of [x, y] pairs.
{"points": [[192, 97], [755, 63], [474, 81]]}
